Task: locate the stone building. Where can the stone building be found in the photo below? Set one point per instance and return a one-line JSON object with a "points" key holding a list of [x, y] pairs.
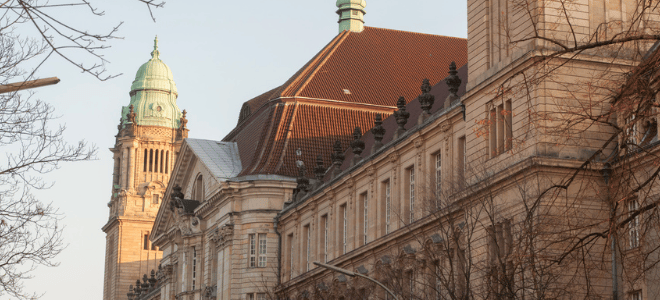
{"points": [[461, 193], [149, 135]]}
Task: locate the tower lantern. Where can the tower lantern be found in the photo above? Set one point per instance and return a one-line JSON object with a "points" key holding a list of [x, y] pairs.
{"points": [[351, 15]]}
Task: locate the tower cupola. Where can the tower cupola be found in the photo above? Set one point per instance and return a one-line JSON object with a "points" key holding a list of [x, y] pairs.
{"points": [[351, 15], [153, 94]]}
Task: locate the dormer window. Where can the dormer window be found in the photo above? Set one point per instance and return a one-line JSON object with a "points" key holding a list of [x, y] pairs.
{"points": [[347, 92]]}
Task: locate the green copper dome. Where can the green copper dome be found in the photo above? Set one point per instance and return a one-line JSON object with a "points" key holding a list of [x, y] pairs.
{"points": [[154, 94]]}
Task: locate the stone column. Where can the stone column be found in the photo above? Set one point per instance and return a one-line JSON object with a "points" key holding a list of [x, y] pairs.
{"points": [[124, 164], [131, 167]]}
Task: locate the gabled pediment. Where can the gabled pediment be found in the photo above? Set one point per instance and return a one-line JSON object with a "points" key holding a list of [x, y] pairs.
{"points": [[201, 167]]}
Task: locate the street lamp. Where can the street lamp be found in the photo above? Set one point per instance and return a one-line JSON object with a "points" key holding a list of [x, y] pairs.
{"points": [[353, 274]]}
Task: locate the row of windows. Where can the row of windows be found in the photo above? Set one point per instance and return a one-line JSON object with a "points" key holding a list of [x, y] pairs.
{"points": [[156, 161], [364, 209]]}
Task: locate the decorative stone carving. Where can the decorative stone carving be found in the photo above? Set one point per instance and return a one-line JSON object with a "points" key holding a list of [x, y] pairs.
{"points": [[303, 182], [130, 117], [337, 158], [319, 171], [453, 82], [120, 126], [426, 100], [357, 145], [223, 235], [401, 117], [379, 132], [182, 132], [445, 126], [183, 120], [419, 142]]}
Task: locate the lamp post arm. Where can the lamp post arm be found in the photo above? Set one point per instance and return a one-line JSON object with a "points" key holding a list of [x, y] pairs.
{"points": [[353, 274], [378, 283]]}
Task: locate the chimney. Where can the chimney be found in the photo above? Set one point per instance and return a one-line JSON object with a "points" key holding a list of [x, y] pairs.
{"points": [[351, 15]]}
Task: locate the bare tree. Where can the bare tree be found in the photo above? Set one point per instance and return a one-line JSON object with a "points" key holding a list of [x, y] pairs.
{"points": [[32, 31]]}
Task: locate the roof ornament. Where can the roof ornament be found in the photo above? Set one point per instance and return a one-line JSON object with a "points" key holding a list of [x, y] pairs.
{"points": [[453, 82], [152, 279], [137, 290], [401, 117], [184, 121], [337, 158], [175, 198], [378, 131], [426, 100], [145, 283], [131, 115], [130, 292], [155, 54], [302, 180], [120, 126], [182, 132], [319, 170], [357, 145]]}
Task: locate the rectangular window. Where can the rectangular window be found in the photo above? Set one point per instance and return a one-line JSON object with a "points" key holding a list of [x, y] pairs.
{"points": [[344, 229], [500, 249], [257, 242], [253, 250], [633, 226], [411, 193], [438, 282], [154, 199], [388, 207], [438, 178], [262, 250], [632, 132], [636, 295], [462, 165], [194, 267], [324, 223], [290, 255], [500, 128], [492, 130], [145, 245], [508, 124], [306, 245], [411, 284], [365, 217]]}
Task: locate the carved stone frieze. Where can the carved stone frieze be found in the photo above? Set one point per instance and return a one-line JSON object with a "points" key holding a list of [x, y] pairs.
{"points": [[223, 235]]}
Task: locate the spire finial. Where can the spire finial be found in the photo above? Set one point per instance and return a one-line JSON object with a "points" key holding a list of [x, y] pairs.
{"points": [[155, 53]]}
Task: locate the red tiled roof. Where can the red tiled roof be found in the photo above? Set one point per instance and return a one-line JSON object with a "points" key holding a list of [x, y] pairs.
{"points": [[350, 80]]}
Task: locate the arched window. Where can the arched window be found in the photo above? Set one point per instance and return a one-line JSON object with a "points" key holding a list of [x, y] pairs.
{"points": [[156, 162], [167, 161], [145, 160], [161, 160], [151, 160], [198, 188]]}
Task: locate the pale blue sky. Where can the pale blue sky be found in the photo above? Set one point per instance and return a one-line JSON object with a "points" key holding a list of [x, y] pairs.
{"points": [[221, 53]]}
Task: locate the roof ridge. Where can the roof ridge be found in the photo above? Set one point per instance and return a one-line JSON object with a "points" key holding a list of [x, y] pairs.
{"points": [[292, 82], [414, 32], [322, 63]]}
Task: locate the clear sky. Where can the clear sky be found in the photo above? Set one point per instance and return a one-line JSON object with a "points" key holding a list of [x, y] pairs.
{"points": [[222, 53]]}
